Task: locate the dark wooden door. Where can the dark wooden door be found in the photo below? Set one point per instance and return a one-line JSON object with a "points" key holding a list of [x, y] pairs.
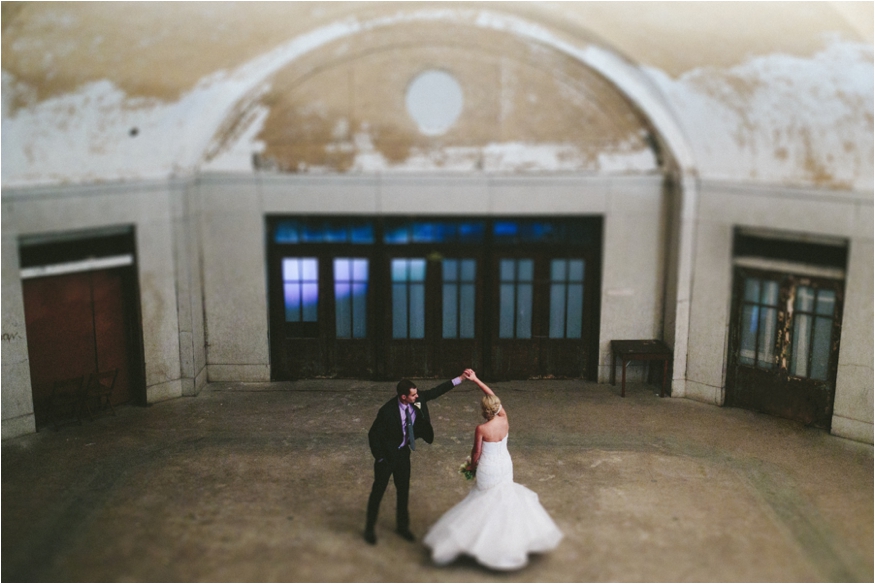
{"points": [[457, 323], [783, 350], [322, 307], [409, 315], [78, 324], [542, 321]]}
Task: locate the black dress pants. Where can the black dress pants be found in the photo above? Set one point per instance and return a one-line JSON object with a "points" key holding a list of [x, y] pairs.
{"points": [[399, 470]]}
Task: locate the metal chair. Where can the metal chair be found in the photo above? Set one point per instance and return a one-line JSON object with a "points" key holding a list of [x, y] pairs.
{"points": [[66, 400], [99, 390]]}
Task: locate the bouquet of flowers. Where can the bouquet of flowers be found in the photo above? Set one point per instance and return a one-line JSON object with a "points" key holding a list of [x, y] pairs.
{"points": [[468, 470]]}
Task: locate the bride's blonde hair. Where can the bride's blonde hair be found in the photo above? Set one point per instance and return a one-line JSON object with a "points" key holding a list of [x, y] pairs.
{"points": [[489, 406]]}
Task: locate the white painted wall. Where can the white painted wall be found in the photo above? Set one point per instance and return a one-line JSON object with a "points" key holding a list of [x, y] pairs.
{"points": [[723, 207], [234, 243], [149, 207]]}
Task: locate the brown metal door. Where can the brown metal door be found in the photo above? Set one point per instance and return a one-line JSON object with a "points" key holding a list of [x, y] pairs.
{"points": [[78, 324], [783, 350]]}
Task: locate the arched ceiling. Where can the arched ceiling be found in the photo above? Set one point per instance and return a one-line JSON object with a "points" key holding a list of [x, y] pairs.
{"points": [[343, 107], [778, 92]]}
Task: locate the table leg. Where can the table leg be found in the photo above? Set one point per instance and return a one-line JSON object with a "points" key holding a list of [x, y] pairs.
{"points": [[664, 377], [623, 386], [613, 368]]}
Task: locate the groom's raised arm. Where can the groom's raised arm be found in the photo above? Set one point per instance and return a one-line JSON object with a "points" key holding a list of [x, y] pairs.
{"points": [[441, 389]]}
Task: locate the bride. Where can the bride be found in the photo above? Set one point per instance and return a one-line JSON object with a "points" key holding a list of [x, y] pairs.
{"points": [[500, 522]]}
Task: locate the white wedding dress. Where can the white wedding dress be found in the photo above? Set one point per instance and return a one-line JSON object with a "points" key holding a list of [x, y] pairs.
{"points": [[499, 523]]}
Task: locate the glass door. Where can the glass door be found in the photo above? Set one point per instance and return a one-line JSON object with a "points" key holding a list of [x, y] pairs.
{"points": [[783, 350]]}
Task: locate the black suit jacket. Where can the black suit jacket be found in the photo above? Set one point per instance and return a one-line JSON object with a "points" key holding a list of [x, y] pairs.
{"points": [[386, 433]]}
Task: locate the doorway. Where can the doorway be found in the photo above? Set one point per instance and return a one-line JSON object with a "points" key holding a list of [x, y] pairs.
{"points": [[785, 329], [81, 314], [389, 297]]}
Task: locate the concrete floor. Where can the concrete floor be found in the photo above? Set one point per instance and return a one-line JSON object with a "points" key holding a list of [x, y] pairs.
{"points": [[268, 482]]}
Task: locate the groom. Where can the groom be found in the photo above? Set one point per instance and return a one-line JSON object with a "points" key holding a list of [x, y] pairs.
{"points": [[392, 436]]}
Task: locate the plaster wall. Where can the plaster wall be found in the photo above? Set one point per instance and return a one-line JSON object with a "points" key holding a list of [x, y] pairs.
{"points": [[723, 207], [152, 208], [234, 243]]}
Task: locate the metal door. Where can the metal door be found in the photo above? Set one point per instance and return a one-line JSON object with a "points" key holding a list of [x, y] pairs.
{"points": [[784, 343], [78, 324]]}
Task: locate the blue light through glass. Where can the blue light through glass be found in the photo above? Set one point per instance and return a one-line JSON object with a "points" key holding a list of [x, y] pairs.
{"points": [[301, 289]]}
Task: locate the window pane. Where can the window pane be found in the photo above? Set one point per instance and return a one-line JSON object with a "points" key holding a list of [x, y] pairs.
{"points": [[526, 270], [768, 332], [805, 299], [362, 233], [506, 314], [820, 351], [749, 320], [574, 324], [752, 290], [309, 269], [575, 270], [524, 311], [359, 310], [466, 311], [343, 309], [292, 294], [417, 310], [336, 233], [801, 335], [450, 270], [287, 232], [506, 270], [417, 270], [557, 309], [557, 270], [469, 270], [770, 293], [505, 230], [826, 300], [360, 270], [341, 270], [399, 270], [291, 270], [397, 235], [399, 310], [312, 233], [450, 311], [309, 297]]}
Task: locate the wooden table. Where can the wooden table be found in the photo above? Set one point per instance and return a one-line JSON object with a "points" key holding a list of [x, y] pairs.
{"points": [[646, 350]]}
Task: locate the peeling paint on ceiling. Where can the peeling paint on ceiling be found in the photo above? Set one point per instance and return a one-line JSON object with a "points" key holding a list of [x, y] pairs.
{"points": [[208, 93]]}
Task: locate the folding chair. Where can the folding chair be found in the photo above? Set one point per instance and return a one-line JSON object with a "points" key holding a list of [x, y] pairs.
{"points": [[66, 400]]}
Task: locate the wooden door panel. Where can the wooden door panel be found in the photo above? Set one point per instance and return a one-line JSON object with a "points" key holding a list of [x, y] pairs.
{"points": [[111, 334], [352, 358], [60, 333]]}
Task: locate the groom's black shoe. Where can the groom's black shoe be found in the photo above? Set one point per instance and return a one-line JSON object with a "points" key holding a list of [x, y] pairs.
{"points": [[370, 537], [406, 534]]}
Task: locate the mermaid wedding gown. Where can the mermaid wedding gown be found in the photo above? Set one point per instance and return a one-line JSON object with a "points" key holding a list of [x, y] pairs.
{"points": [[499, 523]]}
